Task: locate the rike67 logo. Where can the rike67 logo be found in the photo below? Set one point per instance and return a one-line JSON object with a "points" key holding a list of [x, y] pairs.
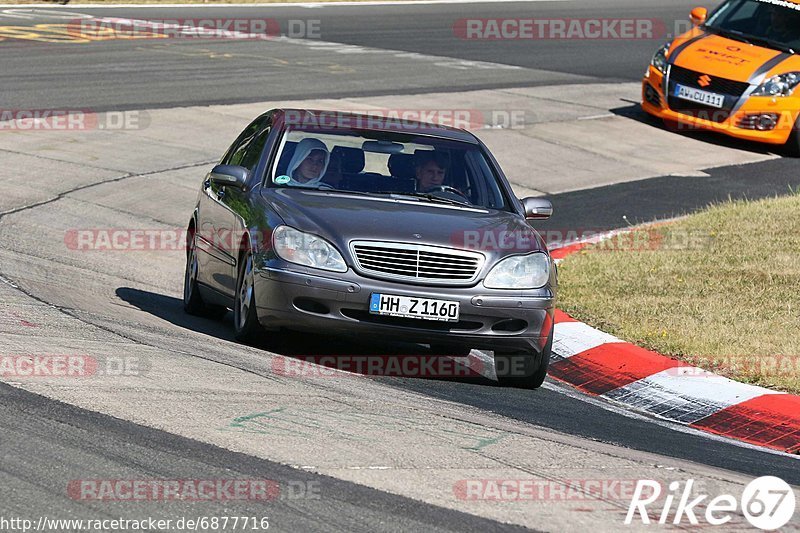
{"points": [[767, 503]]}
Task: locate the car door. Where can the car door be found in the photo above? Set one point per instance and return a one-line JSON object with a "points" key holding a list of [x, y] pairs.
{"points": [[219, 220]]}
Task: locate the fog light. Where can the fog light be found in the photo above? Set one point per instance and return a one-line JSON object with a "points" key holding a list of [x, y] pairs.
{"points": [[767, 122], [651, 96], [760, 122]]}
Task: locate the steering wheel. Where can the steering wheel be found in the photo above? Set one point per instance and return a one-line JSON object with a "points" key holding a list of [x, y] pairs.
{"points": [[448, 189]]}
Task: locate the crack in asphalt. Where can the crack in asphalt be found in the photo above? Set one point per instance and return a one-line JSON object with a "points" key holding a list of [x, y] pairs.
{"points": [[64, 194], [72, 313], [123, 212], [46, 158]]}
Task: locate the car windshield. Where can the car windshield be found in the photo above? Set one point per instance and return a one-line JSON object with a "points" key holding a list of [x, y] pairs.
{"points": [[384, 164], [771, 23]]}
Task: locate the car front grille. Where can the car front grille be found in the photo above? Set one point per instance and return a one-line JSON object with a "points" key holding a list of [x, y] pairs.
{"points": [[690, 78], [731, 89], [420, 263]]}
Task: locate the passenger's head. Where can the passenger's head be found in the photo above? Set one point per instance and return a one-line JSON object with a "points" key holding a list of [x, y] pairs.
{"points": [[310, 160], [430, 168], [779, 20]]}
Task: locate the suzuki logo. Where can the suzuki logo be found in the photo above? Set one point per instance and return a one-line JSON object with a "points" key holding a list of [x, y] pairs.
{"points": [[704, 80]]}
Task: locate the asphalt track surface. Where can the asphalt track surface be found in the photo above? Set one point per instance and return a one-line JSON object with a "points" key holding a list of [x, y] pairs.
{"points": [[135, 75], [130, 75], [86, 442]]}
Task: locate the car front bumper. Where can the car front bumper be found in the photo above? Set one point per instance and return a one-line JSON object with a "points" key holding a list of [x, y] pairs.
{"points": [[489, 319], [786, 109]]}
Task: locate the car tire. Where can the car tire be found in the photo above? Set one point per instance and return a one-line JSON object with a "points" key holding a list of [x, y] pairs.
{"points": [[247, 329], [792, 146], [193, 303], [532, 375]]}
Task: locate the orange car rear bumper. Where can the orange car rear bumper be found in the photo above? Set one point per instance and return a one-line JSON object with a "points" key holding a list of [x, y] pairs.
{"points": [[785, 109]]}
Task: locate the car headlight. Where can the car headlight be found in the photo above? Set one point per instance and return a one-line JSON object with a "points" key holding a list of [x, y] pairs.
{"points": [[660, 59], [530, 271], [307, 250], [780, 85]]}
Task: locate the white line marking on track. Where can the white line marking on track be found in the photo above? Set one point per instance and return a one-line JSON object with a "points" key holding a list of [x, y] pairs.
{"points": [[30, 14], [595, 117]]}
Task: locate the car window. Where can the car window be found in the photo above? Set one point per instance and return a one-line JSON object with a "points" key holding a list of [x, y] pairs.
{"points": [[744, 13], [760, 19], [247, 149], [386, 163], [254, 149]]}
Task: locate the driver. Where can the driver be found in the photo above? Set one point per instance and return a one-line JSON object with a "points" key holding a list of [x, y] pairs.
{"points": [[779, 25], [430, 168]]}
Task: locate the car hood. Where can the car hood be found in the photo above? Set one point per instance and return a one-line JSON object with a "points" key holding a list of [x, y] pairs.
{"points": [[725, 58], [341, 218]]}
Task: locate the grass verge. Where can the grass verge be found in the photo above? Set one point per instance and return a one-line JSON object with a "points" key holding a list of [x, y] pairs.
{"points": [[719, 289]]}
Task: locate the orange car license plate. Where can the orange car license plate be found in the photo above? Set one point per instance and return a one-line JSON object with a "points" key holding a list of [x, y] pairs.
{"points": [[699, 96]]}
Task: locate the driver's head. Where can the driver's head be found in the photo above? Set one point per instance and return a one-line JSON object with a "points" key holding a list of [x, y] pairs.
{"points": [[430, 168], [778, 20]]}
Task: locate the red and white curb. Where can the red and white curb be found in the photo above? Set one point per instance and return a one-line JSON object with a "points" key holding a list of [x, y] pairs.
{"points": [[602, 365]]}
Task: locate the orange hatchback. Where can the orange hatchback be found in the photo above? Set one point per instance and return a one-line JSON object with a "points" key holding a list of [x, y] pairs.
{"points": [[735, 72]]}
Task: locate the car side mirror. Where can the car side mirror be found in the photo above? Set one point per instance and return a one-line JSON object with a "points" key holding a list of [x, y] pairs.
{"points": [[537, 208], [229, 176], [698, 15]]}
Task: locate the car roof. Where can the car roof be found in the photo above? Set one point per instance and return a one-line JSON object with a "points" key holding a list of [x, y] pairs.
{"points": [[357, 121]]}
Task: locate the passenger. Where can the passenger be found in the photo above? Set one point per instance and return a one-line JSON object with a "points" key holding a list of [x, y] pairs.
{"points": [[779, 25], [309, 163], [430, 169]]}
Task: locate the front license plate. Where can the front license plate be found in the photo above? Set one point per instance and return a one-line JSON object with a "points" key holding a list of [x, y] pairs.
{"points": [[701, 97], [412, 307]]}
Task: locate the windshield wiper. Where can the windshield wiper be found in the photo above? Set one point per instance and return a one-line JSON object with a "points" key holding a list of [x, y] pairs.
{"points": [[731, 34], [777, 45], [426, 196], [422, 195], [751, 39], [328, 188]]}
